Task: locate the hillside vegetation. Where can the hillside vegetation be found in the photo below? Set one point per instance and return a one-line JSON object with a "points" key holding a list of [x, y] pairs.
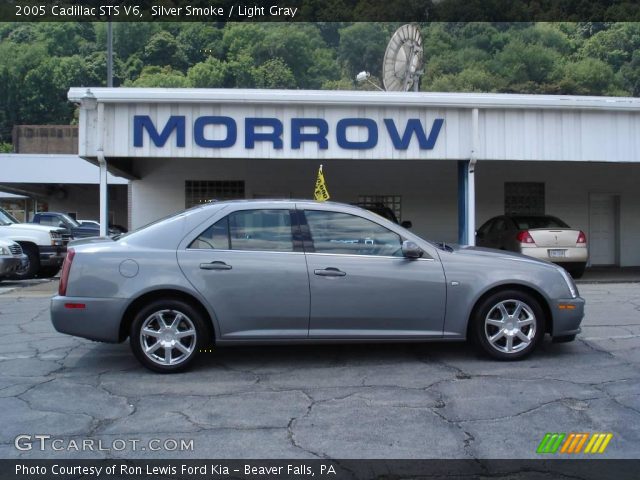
{"points": [[40, 61]]}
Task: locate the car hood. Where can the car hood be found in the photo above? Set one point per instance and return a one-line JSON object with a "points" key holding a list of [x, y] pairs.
{"points": [[33, 227], [5, 242], [498, 254]]}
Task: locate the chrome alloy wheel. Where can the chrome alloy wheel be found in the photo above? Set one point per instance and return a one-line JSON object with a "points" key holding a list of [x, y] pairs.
{"points": [[168, 337], [510, 326]]}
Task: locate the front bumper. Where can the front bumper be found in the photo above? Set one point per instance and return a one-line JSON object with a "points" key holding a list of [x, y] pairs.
{"points": [[52, 256], [97, 319], [9, 264], [567, 316]]}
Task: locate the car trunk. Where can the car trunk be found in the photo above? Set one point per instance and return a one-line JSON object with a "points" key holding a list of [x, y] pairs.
{"points": [[557, 237]]}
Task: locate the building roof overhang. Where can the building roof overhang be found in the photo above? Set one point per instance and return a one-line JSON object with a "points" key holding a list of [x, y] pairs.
{"points": [[350, 98]]}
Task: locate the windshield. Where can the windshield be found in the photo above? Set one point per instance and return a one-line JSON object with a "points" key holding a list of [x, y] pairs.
{"points": [[525, 223], [70, 220], [6, 218]]}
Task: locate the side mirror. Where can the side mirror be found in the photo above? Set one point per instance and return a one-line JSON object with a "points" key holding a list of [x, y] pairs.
{"points": [[411, 249], [406, 224]]}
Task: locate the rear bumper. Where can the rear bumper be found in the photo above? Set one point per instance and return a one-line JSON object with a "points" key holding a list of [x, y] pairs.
{"points": [[52, 256], [571, 254], [98, 319], [567, 316]]}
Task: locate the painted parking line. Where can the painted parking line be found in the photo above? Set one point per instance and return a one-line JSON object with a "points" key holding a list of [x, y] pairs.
{"points": [[613, 337]]}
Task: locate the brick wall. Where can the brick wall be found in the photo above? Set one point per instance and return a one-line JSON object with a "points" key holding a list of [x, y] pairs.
{"points": [[45, 139]]}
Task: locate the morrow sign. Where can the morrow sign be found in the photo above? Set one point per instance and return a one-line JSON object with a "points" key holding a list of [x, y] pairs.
{"points": [[348, 133]]}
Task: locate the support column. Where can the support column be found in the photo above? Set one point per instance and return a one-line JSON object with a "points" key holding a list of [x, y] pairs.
{"points": [[467, 188], [463, 203], [104, 198], [104, 186]]}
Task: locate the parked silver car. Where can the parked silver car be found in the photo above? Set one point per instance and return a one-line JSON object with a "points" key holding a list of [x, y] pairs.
{"points": [[256, 271], [540, 236], [11, 258]]}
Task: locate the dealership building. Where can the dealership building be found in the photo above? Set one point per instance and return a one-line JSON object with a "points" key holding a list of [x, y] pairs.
{"points": [[445, 161]]}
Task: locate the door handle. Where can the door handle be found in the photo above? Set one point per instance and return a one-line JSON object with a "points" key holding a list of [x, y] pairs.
{"points": [[329, 272], [215, 266]]}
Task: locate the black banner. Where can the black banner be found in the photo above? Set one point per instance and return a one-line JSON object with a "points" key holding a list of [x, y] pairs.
{"points": [[318, 469], [321, 10]]}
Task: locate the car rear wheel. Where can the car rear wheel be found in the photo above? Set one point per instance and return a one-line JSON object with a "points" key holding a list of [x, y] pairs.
{"points": [[509, 325], [167, 335], [576, 271], [32, 266]]}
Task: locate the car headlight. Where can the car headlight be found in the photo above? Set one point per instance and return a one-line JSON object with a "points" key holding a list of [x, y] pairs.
{"points": [[56, 238], [4, 251], [570, 283]]}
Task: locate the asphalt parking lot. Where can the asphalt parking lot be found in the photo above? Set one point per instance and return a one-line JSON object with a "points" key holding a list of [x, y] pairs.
{"points": [[348, 401]]}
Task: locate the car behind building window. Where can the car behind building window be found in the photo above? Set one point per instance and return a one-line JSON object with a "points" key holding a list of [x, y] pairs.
{"points": [[341, 233]]}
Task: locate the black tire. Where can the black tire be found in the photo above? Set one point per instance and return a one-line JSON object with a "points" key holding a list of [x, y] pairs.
{"points": [[487, 318], [576, 271], [33, 263], [150, 317], [48, 272]]}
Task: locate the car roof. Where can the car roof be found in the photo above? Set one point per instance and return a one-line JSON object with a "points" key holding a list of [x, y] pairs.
{"points": [[287, 201]]}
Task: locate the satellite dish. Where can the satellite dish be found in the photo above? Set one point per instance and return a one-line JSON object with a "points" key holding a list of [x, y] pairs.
{"points": [[402, 64]]}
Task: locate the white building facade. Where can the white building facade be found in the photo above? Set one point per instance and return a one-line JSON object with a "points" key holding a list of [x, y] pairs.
{"points": [[447, 162]]}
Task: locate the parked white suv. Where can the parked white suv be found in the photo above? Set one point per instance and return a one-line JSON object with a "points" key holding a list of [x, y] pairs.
{"points": [[45, 247]]}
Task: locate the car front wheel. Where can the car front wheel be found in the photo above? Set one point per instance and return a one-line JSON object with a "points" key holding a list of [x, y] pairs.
{"points": [[509, 325], [167, 335]]}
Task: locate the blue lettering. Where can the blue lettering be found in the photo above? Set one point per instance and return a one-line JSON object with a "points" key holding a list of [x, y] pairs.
{"points": [[176, 123], [414, 125], [298, 136], [198, 132], [370, 125], [251, 136], [271, 130]]}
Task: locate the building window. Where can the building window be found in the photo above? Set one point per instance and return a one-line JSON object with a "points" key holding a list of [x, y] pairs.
{"points": [[198, 192], [524, 198], [394, 202]]}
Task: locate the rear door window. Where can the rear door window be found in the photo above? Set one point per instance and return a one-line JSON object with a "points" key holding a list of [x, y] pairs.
{"points": [[252, 230]]}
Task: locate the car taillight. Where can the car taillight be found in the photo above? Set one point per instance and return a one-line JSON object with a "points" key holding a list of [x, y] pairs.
{"points": [[64, 276], [525, 237], [582, 238]]}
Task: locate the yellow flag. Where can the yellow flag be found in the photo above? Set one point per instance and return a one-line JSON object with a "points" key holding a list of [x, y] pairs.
{"points": [[321, 193]]}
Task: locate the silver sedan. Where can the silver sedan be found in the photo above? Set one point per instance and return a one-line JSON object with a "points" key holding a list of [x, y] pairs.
{"points": [[265, 272]]}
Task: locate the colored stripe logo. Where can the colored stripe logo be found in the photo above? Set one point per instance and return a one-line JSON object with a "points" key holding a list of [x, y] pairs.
{"points": [[574, 443]]}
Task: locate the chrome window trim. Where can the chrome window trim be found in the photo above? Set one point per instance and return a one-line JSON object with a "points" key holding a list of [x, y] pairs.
{"points": [[368, 256], [230, 250]]}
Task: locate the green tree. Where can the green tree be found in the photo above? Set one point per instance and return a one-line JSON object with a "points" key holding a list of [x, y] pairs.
{"points": [[362, 47], [162, 49], [199, 41], [589, 77], [211, 73], [524, 65], [160, 77], [274, 73]]}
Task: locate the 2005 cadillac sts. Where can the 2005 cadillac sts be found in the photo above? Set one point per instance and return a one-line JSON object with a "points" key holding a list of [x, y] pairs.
{"points": [[241, 272]]}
